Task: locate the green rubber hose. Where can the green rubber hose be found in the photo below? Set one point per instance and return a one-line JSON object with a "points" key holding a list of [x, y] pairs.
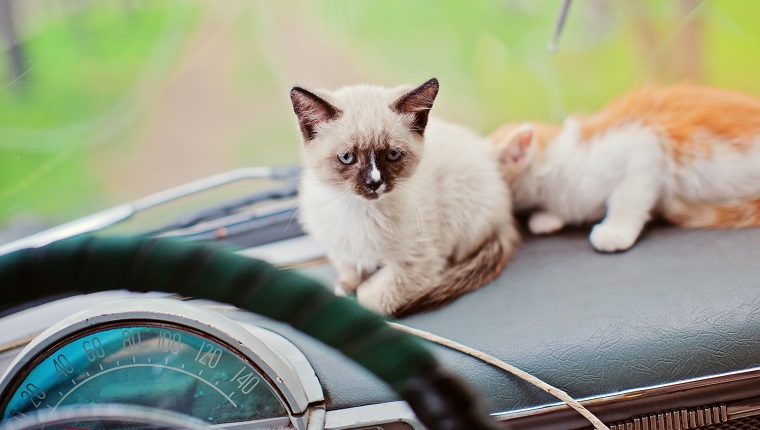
{"points": [[89, 264]]}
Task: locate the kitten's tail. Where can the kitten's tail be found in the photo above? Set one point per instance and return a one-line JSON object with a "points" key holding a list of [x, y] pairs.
{"points": [[479, 268], [695, 215]]}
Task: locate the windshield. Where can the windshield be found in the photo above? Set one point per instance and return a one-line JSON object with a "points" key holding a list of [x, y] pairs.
{"points": [[103, 103]]}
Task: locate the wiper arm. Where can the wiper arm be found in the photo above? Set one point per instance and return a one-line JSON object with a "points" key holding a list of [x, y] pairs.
{"points": [[112, 216], [290, 189], [552, 47]]}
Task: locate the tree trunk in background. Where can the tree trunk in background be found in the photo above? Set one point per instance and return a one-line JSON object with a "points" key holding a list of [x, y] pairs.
{"points": [[688, 58], [648, 39], [673, 54], [16, 59]]}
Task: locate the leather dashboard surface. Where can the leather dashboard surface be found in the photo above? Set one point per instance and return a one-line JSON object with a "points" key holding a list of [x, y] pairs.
{"points": [[680, 304]]}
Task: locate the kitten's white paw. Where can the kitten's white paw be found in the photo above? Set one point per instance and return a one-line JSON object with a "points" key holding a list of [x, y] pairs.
{"points": [[339, 292], [374, 297], [348, 283], [544, 223], [606, 238]]}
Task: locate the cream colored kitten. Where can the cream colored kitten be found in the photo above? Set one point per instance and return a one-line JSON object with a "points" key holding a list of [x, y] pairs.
{"points": [[688, 153], [413, 213]]}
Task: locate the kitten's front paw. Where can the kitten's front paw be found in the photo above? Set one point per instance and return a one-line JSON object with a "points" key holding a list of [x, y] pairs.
{"points": [[606, 238], [544, 223], [373, 296], [348, 283]]}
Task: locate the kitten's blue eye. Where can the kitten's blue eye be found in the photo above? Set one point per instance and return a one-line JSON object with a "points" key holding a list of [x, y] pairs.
{"points": [[393, 155], [347, 158]]}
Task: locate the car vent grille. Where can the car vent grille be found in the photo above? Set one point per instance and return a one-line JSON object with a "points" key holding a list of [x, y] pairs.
{"points": [[748, 423], [682, 419]]}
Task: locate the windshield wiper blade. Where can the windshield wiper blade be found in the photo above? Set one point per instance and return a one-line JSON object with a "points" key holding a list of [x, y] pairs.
{"points": [[112, 216], [290, 189]]}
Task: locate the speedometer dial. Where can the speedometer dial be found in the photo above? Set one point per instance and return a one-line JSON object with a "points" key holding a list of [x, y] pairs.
{"points": [[161, 366], [167, 355]]}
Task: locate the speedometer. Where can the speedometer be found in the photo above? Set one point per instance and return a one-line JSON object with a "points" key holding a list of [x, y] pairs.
{"points": [[175, 357], [162, 366]]}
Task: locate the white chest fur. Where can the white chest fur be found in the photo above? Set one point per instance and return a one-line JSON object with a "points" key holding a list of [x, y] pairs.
{"points": [[354, 230]]}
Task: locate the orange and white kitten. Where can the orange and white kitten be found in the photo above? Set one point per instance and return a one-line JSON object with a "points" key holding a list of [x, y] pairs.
{"points": [[413, 213], [690, 154]]}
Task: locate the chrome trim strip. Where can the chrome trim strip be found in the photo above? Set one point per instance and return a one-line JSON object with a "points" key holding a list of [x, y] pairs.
{"points": [[316, 419], [109, 217], [364, 416], [743, 411], [371, 415], [30, 322], [292, 356], [87, 224], [636, 393], [274, 365]]}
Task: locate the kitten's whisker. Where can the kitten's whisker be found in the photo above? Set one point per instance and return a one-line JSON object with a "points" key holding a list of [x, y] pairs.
{"points": [[418, 213], [297, 209], [345, 191], [429, 199], [414, 203]]}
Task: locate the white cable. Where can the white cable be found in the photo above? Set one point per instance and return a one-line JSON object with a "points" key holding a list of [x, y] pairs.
{"points": [[556, 392]]}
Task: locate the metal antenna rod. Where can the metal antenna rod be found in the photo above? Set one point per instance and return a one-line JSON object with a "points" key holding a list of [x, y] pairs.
{"points": [[552, 46]]}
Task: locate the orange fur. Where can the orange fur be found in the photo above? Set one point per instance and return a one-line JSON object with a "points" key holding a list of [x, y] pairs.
{"points": [[544, 133], [689, 116], [737, 215], [693, 124]]}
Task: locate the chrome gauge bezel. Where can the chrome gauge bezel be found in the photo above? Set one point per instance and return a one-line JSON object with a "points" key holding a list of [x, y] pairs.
{"points": [[295, 386]]}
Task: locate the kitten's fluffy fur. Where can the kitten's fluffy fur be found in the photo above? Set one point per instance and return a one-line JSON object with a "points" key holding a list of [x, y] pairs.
{"points": [[688, 153], [412, 213]]}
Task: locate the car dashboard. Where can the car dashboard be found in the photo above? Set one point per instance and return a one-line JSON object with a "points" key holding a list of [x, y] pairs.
{"points": [[664, 336]]}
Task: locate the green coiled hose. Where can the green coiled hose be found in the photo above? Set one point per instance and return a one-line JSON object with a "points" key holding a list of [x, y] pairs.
{"points": [[89, 264]]}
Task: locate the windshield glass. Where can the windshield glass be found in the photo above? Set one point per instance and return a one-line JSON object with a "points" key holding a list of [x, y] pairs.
{"points": [[102, 103]]}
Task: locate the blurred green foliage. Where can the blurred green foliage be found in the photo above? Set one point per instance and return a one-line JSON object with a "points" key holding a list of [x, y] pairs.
{"points": [[83, 64], [492, 59], [95, 71]]}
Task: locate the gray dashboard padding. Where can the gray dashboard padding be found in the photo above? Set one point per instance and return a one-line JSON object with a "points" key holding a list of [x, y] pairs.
{"points": [[681, 304]]}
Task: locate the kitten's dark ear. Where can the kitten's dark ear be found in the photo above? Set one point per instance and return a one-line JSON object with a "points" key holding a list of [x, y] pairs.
{"points": [[418, 102], [311, 111], [517, 148]]}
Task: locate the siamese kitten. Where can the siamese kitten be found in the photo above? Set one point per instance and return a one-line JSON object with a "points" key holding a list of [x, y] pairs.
{"points": [[690, 154], [413, 211]]}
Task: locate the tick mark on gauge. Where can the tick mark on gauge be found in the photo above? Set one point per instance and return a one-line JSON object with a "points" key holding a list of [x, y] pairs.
{"points": [[117, 364], [231, 394], [216, 383], [101, 366], [134, 360], [73, 382], [60, 394], [183, 366], [166, 361], [88, 373], [148, 359], [200, 373]]}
